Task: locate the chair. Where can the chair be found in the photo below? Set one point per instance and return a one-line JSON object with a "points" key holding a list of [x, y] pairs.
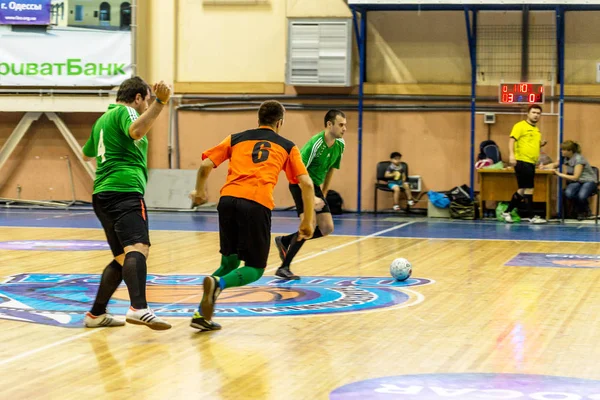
{"points": [[563, 202], [381, 180]]}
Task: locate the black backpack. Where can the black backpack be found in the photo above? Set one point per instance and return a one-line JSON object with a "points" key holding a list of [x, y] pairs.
{"points": [[489, 149], [335, 202]]}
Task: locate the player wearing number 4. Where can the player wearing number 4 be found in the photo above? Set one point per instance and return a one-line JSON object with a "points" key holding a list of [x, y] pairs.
{"points": [[256, 157], [119, 144], [322, 154]]}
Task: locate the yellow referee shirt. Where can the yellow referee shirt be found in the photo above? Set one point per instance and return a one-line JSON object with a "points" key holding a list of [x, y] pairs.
{"points": [[529, 139]]}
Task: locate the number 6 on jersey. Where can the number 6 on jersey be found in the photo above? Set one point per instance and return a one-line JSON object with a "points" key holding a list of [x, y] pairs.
{"points": [[260, 152]]}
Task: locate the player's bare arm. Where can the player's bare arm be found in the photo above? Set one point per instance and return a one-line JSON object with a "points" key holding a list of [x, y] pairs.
{"points": [[142, 125]]}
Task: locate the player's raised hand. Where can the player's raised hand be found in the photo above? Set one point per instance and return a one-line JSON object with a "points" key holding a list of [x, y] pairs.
{"points": [[162, 91]]}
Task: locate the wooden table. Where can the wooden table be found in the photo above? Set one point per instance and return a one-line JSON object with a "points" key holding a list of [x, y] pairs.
{"points": [[501, 184]]}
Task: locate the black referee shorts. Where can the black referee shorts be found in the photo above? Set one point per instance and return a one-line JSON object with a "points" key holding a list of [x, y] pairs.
{"points": [[245, 230], [297, 196], [525, 173], [124, 218]]}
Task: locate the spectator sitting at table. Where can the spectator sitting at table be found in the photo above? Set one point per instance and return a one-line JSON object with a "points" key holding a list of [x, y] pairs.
{"points": [[579, 173]]}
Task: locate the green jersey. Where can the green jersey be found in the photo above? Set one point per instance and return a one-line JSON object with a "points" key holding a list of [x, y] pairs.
{"points": [[319, 158], [121, 160]]}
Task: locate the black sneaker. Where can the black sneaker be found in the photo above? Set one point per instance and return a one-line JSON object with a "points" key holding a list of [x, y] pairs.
{"points": [[281, 248], [285, 273], [202, 324], [211, 292]]}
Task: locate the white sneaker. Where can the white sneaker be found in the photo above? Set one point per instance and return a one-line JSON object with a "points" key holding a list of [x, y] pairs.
{"points": [[396, 207], [146, 317], [537, 220], [411, 202], [101, 321], [507, 218]]}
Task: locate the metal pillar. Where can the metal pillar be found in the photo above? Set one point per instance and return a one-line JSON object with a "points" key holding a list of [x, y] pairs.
{"points": [[361, 36], [472, 39]]}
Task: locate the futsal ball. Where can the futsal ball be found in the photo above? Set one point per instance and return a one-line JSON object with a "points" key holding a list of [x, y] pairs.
{"points": [[400, 269]]}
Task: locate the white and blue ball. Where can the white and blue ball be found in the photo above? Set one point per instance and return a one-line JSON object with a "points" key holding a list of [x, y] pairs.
{"points": [[401, 269]]}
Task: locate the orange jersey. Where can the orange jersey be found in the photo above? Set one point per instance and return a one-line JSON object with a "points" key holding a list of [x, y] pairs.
{"points": [[255, 159]]}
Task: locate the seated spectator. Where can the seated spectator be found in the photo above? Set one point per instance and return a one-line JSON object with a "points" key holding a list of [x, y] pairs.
{"points": [[579, 173], [397, 178]]}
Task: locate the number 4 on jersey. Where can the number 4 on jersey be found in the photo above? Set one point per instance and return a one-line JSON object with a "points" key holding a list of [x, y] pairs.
{"points": [[101, 148]]}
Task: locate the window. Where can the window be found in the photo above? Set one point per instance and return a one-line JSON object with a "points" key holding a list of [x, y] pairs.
{"points": [[78, 13]]}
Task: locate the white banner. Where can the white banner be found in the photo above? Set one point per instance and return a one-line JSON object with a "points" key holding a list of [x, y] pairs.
{"points": [[65, 57]]}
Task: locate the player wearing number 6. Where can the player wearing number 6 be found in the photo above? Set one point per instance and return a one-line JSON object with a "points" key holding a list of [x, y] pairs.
{"points": [[256, 157], [119, 144]]}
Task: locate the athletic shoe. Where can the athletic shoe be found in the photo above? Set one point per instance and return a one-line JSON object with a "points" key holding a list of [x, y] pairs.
{"points": [[101, 321], [507, 218], [537, 220], [211, 292], [146, 317], [396, 207], [411, 203], [281, 248], [285, 273], [199, 322]]}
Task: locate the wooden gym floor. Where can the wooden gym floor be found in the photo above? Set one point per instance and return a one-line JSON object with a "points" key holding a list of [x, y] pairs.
{"points": [[486, 300]]}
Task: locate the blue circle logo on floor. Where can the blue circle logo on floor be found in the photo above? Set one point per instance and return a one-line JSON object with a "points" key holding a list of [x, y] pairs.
{"points": [[470, 387], [54, 245], [63, 299]]}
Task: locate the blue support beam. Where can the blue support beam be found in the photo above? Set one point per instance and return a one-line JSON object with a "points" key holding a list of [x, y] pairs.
{"points": [[361, 38], [472, 39], [560, 44]]}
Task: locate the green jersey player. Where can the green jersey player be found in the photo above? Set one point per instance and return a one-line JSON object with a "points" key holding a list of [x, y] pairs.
{"points": [[321, 155], [119, 144]]}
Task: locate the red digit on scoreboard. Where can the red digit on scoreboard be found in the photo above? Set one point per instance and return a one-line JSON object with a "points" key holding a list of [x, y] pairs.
{"points": [[532, 98], [523, 88], [511, 97], [504, 88]]}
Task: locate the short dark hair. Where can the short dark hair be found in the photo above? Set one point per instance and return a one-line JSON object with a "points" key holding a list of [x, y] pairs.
{"points": [[395, 154], [270, 112], [332, 115], [130, 88], [531, 107]]}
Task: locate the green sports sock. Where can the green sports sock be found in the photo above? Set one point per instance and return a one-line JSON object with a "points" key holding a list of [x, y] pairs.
{"points": [[228, 264], [241, 276]]}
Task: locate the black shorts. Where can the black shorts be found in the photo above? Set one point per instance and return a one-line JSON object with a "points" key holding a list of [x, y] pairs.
{"points": [[525, 173], [245, 230], [297, 195], [124, 219]]}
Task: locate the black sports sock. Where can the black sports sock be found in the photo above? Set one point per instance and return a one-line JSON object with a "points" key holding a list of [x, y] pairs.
{"points": [[134, 274], [293, 249], [514, 202], [286, 240], [109, 282], [317, 234], [529, 204], [296, 245]]}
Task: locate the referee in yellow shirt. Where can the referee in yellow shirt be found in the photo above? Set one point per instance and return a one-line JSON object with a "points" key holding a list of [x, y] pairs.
{"points": [[524, 145]]}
